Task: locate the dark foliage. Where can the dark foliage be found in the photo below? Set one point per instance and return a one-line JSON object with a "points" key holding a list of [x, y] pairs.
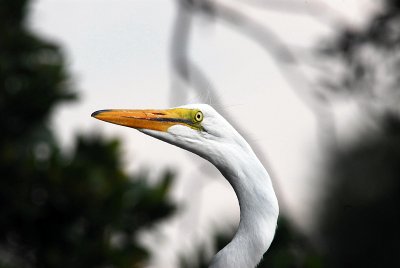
{"points": [[371, 58], [361, 216], [61, 210]]}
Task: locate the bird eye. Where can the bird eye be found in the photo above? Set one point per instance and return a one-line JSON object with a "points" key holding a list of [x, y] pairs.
{"points": [[198, 117]]}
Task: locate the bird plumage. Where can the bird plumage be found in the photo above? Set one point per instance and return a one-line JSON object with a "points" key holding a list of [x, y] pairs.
{"points": [[214, 139]]}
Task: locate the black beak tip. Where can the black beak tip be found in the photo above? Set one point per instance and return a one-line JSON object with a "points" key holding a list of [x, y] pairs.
{"points": [[98, 112], [95, 113]]}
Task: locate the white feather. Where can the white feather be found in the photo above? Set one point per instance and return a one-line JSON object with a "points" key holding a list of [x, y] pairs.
{"points": [[224, 147]]}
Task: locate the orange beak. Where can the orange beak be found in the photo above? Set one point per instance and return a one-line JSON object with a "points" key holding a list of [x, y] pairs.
{"points": [[159, 120]]}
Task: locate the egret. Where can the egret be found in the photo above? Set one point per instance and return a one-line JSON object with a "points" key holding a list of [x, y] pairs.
{"points": [[200, 129]]}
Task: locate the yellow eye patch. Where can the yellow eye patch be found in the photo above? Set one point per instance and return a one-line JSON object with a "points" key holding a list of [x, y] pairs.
{"points": [[189, 117]]}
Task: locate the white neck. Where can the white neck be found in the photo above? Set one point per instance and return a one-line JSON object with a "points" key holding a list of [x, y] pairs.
{"points": [[258, 208]]}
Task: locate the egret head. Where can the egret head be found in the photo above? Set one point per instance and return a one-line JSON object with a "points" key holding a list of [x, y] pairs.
{"points": [[196, 127], [200, 129]]}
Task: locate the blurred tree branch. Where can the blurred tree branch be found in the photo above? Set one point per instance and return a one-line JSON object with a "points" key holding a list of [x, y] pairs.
{"points": [[366, 62], [287, 60], [187, 70], [316, 10]]}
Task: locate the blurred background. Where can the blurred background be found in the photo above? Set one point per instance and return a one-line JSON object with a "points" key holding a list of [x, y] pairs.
{"points": [[313, 86]]}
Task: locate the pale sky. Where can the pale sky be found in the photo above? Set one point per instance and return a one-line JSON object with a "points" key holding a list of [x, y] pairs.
{"points": [[118, 55]]}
